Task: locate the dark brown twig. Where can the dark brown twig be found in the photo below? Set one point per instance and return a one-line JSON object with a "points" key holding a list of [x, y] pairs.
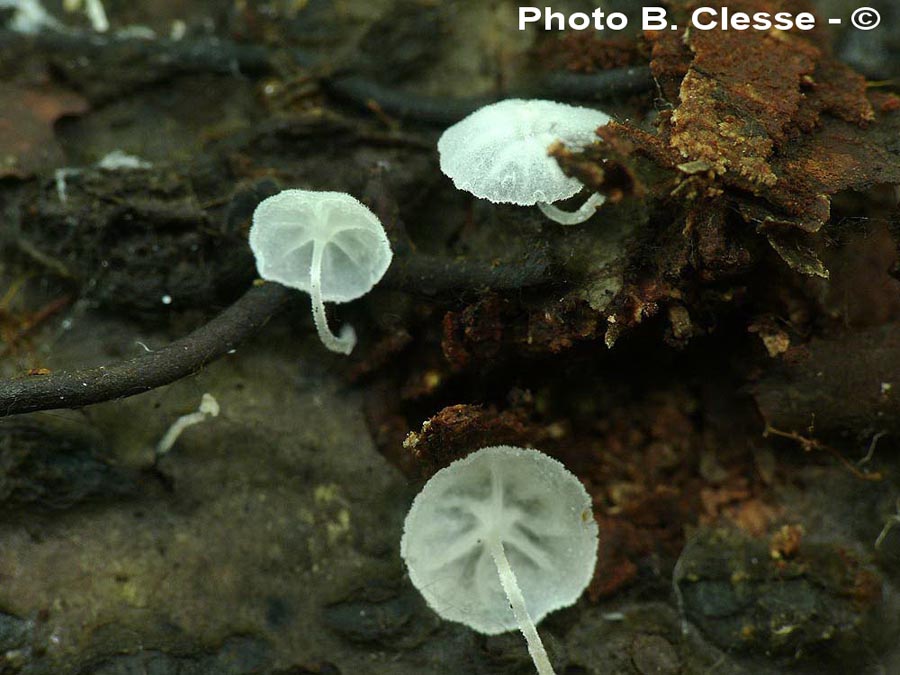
{"points": [[218, 55], [433, 275], [438, 110], [426, 275], [74, 389]]}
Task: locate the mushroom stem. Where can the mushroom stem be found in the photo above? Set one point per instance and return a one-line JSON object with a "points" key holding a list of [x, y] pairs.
{"points": [[573, 217], [209, 407], [347, 340], [517, 602]]}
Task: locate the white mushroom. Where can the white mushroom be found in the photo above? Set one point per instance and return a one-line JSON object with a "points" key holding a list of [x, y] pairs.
{"points": [[324, 243], [209, 407], [500, 538], [499, 153]]}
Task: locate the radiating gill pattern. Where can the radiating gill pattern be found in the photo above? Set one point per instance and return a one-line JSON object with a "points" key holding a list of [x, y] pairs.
{"points": [[474, 520]]}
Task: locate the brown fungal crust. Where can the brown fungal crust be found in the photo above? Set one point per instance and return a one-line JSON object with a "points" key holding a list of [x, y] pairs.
{"points": [[757, 131], [737, 99], [458, 430]]}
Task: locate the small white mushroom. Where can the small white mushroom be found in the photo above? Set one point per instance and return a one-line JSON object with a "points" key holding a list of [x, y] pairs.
{"points": [[499, 153], [499, 539], [209, 407], [324, 243]]}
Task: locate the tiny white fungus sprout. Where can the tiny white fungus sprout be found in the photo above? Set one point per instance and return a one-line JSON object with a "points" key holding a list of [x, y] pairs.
{"points": [[499, 539], [117, 160], [120, 160], [327, 244], [209, 407], [500, 153], [95, 12], [891, 522]]}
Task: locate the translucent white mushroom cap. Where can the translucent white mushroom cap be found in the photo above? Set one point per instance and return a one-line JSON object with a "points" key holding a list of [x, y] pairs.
{"points": [[325, 243], [287, 228], [541, 514], [499, 152]]}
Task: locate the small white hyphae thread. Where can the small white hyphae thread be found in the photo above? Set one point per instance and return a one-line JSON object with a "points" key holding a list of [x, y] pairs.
{"points": [[60, 176], [96, 15], [94, 10], [209, 407], [891, 522]]}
